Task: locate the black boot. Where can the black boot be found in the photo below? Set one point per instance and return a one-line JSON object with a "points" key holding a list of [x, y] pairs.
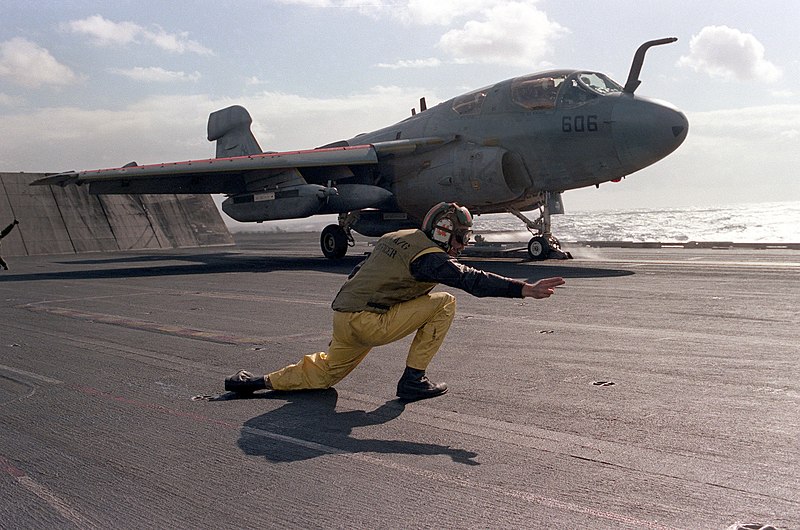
{"points": [[243, 382], [415, 385]]}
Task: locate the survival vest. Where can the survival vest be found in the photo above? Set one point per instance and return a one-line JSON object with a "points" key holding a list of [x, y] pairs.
{"points": [[384, 278]]}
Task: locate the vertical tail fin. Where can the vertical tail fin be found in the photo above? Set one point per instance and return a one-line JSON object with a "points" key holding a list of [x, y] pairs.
{"points": [[230, 127]]}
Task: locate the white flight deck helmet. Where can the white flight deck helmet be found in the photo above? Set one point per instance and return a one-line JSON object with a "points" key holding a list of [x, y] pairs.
{"points": [[448, 219]]}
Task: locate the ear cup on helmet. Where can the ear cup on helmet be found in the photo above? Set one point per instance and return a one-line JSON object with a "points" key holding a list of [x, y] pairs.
{"points": [[442, 230]]}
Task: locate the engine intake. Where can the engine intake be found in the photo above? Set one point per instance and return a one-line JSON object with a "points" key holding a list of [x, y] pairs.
{"points": [[472, 176]]}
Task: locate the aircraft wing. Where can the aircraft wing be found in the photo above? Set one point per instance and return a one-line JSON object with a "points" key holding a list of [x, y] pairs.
{"points": [[233, 175], [215, 175]]}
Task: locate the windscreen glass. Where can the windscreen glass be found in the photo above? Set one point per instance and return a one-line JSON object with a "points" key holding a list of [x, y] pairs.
{"points": [[583, 87], [537, 91], [599, 83], [469, 103]]}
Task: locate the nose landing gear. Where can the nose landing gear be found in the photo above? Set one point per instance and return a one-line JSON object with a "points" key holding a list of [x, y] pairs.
{"points": [[544, 245]]}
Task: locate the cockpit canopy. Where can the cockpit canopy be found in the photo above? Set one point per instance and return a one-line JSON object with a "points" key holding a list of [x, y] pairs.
{"points": [[470, 103], [546, 91], [560, 88]]}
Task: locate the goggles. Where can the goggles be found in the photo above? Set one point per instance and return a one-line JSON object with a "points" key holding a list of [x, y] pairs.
{"points": [[462, 236]]}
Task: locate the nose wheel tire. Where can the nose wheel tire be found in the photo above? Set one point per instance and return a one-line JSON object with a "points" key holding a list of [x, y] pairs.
{"points": [[333, 241], [539, 248]]}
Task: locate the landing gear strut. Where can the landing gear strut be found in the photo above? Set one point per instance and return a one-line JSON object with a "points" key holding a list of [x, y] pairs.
{"points": [[335, 239], [543, 244]]}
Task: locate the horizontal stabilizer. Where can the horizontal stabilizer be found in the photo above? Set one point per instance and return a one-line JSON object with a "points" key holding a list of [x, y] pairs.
{"points": [[59, 179]]}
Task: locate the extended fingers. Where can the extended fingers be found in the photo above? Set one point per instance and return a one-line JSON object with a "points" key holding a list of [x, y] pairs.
{"points": [[551, 282], [546, 287]]}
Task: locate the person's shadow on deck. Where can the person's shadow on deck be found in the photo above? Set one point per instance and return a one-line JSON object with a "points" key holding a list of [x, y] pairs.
{"points": [[309, 426]]}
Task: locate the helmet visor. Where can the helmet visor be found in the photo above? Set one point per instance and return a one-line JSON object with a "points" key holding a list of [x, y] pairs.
{"points": [[462, 236]]}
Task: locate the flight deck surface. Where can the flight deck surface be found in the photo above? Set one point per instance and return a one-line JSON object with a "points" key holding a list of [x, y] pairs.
{"points": [[659, 388]]}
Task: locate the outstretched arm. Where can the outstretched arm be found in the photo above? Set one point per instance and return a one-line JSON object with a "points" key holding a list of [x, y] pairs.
{"points": [[438, 267]]}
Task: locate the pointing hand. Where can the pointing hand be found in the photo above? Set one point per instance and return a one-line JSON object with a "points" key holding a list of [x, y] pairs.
{"points": [[543, 288]]}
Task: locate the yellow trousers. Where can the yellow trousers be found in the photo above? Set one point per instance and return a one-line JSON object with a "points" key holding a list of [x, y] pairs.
{"points": [[355, 334]]}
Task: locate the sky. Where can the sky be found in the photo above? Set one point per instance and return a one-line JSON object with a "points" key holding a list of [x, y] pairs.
{"points": [[95, 84]]}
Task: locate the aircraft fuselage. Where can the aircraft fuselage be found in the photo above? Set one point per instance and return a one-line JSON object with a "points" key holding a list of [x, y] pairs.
{"points": [[552, 131]]}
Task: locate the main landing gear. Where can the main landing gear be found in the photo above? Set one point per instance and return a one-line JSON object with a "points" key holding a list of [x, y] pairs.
{"points": [[335, 239], [543, 244]]}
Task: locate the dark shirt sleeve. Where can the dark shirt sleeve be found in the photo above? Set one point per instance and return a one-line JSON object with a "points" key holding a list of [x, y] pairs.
{"points": [[439, 267]]}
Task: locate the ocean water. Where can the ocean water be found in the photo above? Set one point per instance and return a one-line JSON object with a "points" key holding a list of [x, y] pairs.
{"points": [[775, 222]]}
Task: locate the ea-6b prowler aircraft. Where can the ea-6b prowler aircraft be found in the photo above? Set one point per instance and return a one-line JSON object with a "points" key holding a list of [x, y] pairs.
{"points": [[509, 147]]}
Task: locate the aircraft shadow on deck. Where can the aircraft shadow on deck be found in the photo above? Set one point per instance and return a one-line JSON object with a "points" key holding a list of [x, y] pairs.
{"points": [[231, 262], [153, 266], [311, 416], [537, 271]]}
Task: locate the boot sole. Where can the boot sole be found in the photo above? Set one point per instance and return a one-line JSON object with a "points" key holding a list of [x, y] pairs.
{"points": [[419, 397], [239, 390], [241, 387]]}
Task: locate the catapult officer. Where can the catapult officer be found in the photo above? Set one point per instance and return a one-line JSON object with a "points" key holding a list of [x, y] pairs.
{"points": [[7, 230], [388, 296]]}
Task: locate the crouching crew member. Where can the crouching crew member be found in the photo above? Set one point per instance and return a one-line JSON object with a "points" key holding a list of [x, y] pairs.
{"points": [[388, 296]]}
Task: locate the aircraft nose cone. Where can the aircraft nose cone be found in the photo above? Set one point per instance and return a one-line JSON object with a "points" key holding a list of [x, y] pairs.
{"points": [[645, 131]]}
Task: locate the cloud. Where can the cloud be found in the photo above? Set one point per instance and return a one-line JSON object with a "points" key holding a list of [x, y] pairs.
{"points": [[745, 126], [492, 31], [742, 149], [309, 3], [29, 65], [374, 9], [104, 32], [443, 12], [64, 138], [176, 43], [173, 128], [411, 63], [784, 93], [728, 53], [288, 121], [790, 135], [255, 81], [415, 12], [513, 33], [155, 74], [10, 101], [421, 12], [734, 155]]}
